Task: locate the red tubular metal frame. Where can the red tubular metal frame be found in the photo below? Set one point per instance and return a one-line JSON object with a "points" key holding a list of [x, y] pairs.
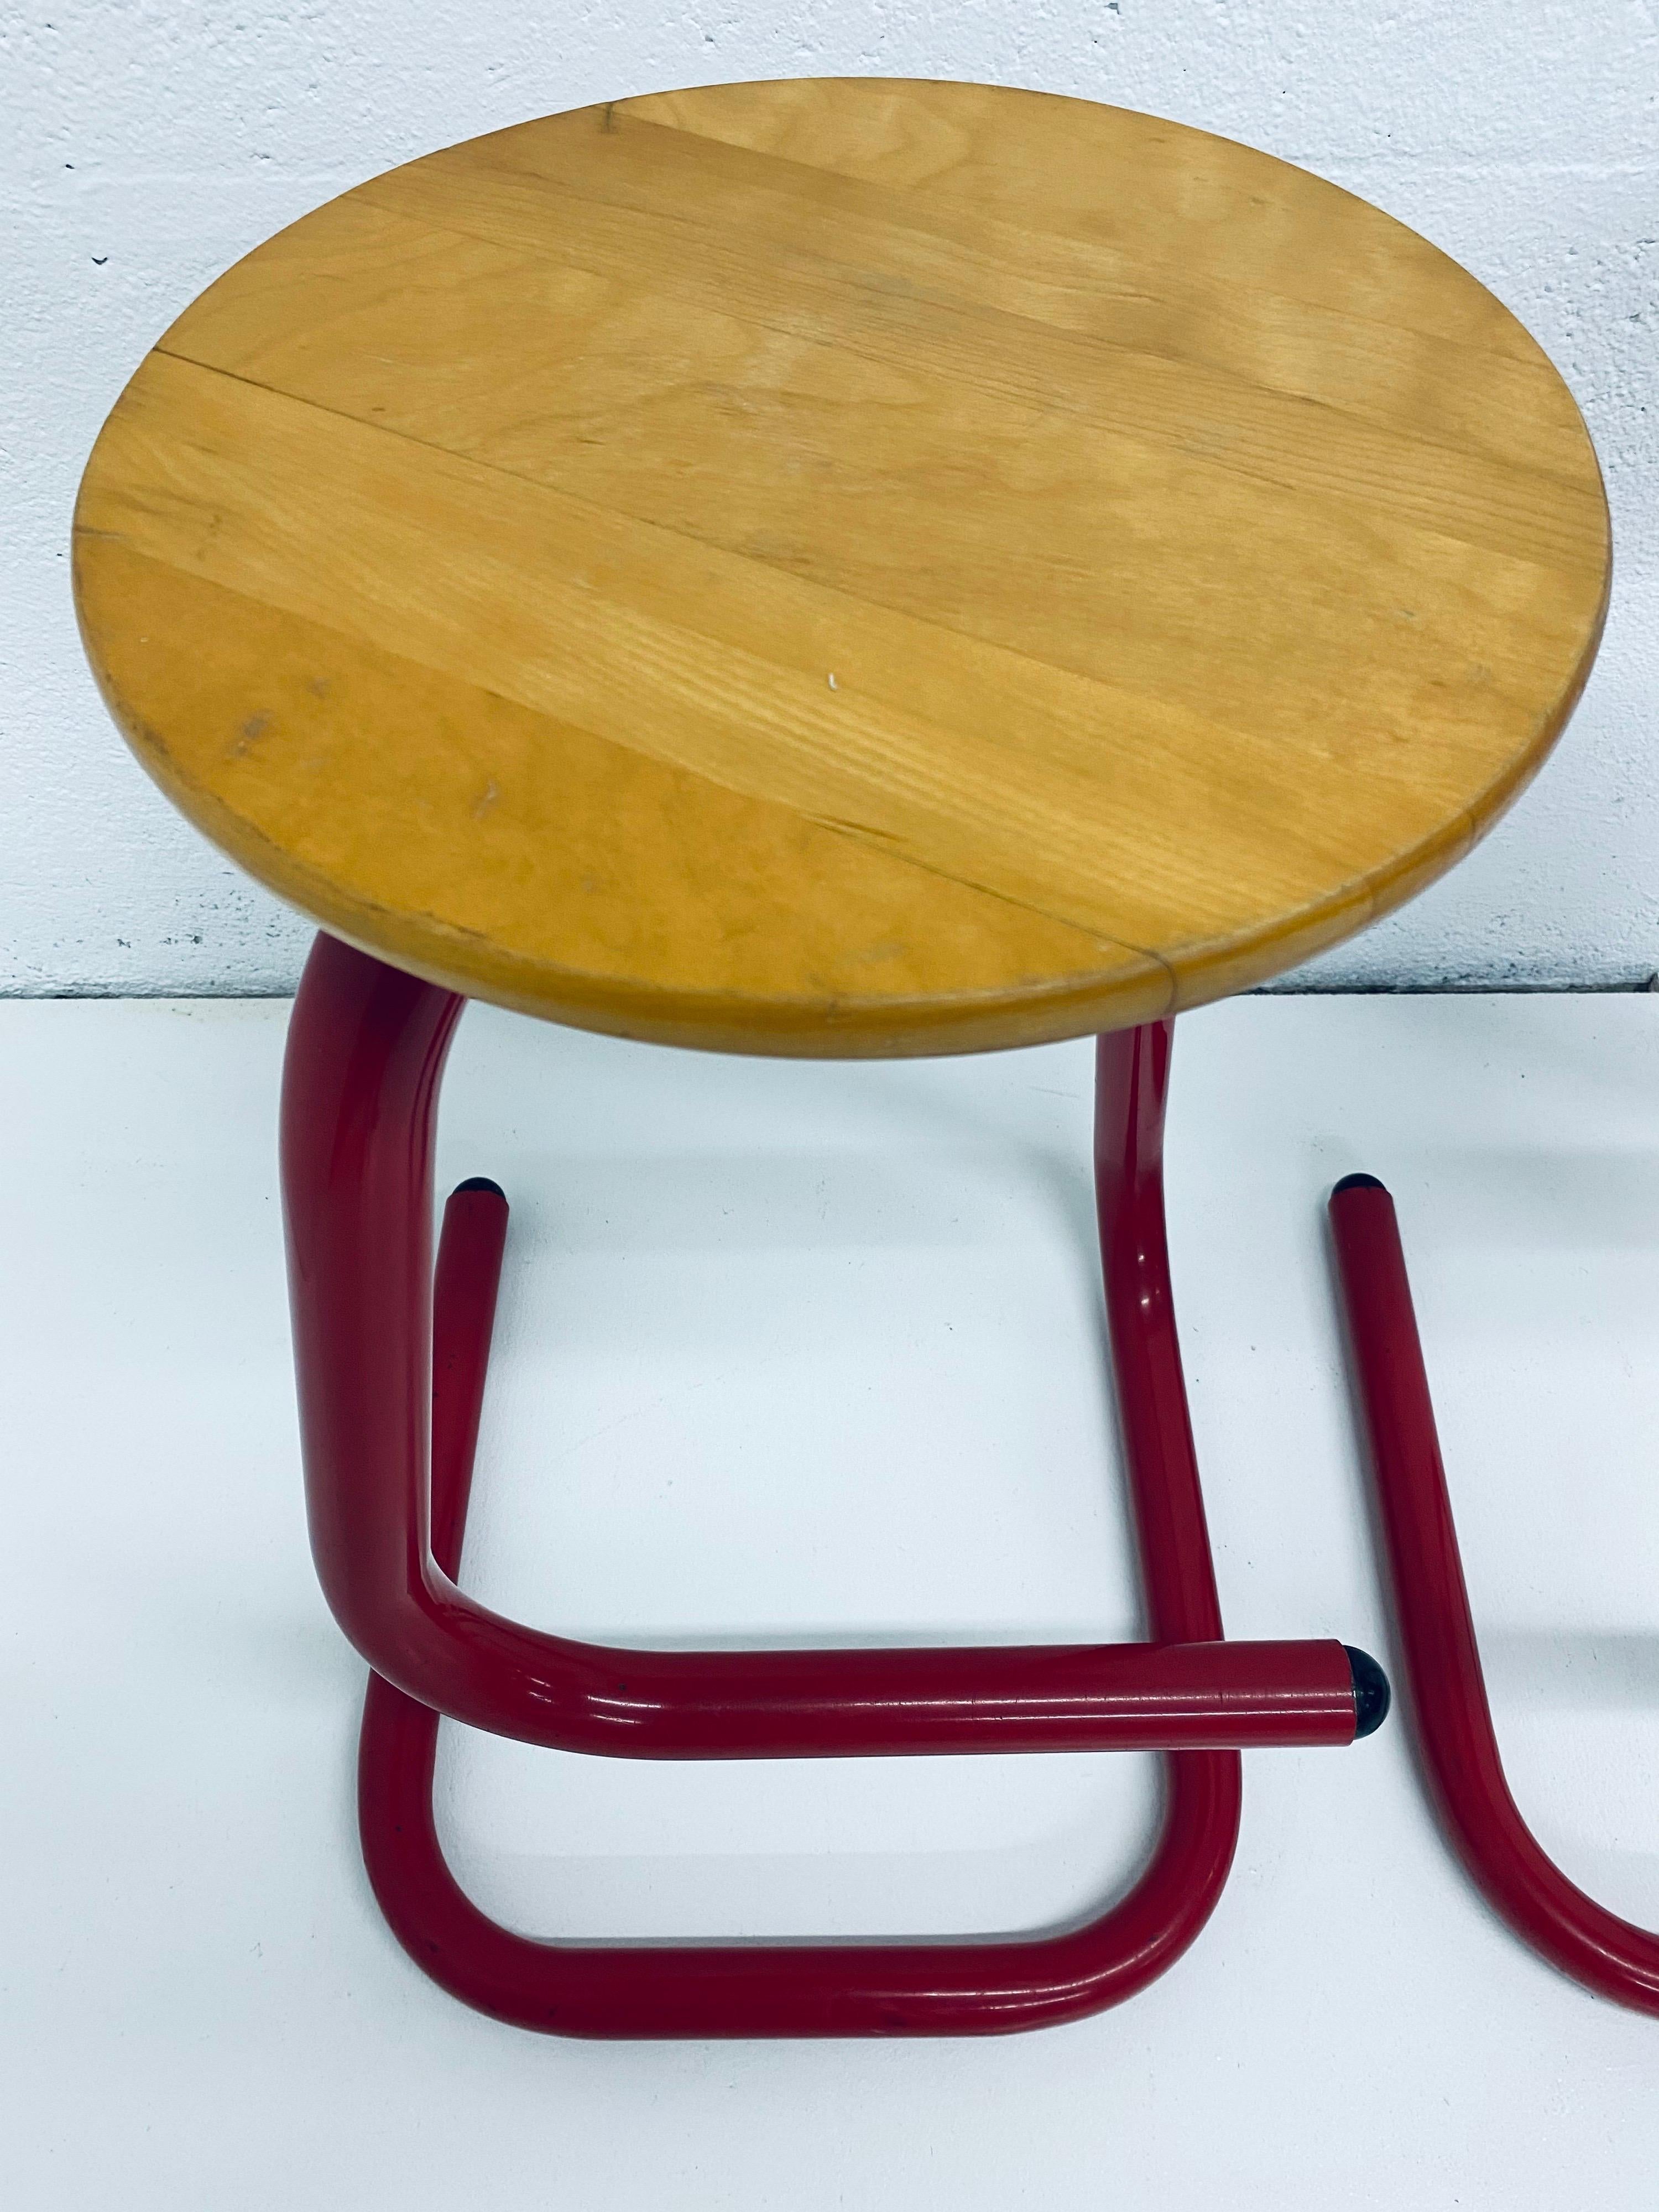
{"points": [[731, 1989], [1453, 1720], [366, 1051], [388, 1432]]}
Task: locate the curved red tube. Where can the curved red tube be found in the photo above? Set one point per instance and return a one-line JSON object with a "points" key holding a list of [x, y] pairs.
{"points": [[365, 1055], [1437, 1630], [978, 1987], [646, 1989]]}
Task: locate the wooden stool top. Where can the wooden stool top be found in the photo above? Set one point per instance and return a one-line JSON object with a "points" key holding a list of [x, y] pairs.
{"points": [[844, 567]]}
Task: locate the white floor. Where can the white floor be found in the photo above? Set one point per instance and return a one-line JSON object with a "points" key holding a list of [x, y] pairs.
{"points": [[797, 1352]]}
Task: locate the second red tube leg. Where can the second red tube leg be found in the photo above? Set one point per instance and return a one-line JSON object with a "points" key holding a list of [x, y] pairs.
{"points": [[1447, 1689]]}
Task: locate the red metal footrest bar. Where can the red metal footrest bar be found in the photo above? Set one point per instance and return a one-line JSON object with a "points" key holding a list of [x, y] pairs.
{"points": [[1452, 1719]]}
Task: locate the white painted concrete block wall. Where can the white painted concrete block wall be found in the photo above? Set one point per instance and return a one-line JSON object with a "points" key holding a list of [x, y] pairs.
{"points": [[147, 143]]}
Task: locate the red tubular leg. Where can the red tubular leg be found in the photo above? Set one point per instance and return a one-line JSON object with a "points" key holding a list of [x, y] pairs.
{"points": [[1437, 1630], [1132, 1085], [884, 1988], [365, 1052], [464, 1288]]}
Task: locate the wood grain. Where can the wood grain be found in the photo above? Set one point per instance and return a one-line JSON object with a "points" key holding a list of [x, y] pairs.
{"points": [[844, 567]]}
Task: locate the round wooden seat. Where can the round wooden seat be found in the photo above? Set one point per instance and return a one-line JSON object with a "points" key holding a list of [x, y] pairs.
{"points": [[844, 567]]}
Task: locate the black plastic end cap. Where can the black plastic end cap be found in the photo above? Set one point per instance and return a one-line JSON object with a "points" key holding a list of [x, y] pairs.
{"points": [[479, 1183], [1356, 1183], [1372, 1695]]}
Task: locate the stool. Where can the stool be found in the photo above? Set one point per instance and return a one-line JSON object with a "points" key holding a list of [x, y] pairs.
{"points": [[854, 568]]}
